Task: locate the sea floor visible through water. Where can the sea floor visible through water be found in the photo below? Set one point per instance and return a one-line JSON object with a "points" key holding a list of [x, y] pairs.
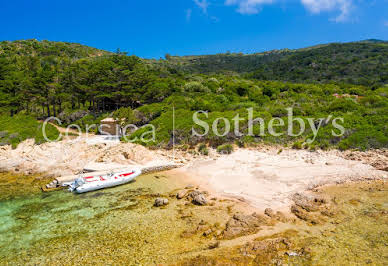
{"points": [[121, 226], [117, 225]]}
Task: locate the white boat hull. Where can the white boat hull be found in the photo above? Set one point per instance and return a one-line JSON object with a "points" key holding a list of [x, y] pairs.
{"points": [[92, 183]]}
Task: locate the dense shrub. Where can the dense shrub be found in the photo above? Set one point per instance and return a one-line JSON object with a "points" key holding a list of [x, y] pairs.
{"points": [[297, 145], [225, 149], [22, 127], [195, 86], [202, 149]]}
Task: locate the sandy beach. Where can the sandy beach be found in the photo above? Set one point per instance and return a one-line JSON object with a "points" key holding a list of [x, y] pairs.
{"points": [[261, 204], [262, 177], [267, 179]]}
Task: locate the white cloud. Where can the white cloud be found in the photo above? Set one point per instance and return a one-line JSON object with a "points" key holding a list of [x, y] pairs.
{"points": [[188, 14], [202, 4], [318, 6], [248, 6], [313, 6], [214, 19]]}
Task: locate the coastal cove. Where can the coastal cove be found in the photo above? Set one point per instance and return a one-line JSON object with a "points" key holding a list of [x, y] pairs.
{"points": [[121, 225], [300, 196], [199, 132]]}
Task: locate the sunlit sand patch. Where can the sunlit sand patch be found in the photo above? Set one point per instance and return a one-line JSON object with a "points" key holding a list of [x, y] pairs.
{"points": [[269, 180]]}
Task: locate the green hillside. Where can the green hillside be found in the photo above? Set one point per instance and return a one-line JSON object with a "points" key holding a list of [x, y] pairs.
{"points": [[364, 63], [22, 127], [35, 48], [82, 85]]}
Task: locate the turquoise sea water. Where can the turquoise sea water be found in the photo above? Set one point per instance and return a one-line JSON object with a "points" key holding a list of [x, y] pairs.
{"points": [[107, 226]]}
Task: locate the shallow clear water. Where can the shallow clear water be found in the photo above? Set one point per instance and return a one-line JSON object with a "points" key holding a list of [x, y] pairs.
{"points": [[118, 224], [121, 226], [358, 234]]}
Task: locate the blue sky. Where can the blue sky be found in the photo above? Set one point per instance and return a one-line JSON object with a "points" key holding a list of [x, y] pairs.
{"points": [[152, 28]]}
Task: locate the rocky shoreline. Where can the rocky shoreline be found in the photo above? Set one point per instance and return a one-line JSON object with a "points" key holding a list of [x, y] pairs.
{"points": [[301, 196], [226, 230], [260, 177], [275, 237]]}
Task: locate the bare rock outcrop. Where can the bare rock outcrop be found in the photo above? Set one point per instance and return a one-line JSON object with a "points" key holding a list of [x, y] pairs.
{"points": [[309, 203], [198, 197], [311, 209], [241, 224], [160, 202], [279, 216], [200, 200], [304, 215], [266, 247], [203, 228], [376, 158], [181, 194]]}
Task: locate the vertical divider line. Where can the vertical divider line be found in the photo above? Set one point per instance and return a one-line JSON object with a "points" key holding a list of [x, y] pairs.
{"points": [[173, 133]]}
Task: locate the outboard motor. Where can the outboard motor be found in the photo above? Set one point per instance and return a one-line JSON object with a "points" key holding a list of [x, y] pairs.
{"points": [[77, 183]]}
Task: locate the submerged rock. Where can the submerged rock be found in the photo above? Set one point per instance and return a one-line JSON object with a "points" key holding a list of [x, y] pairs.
{"points": [[184, 213], [200, 200], [194, 193], [269, 212], [214, 245], [309, 203], [279, 216], [305, 215], [311, 208], [198, 197], [241, 224], [202, 228], [160, 202], [266, 250], [188, 233], [207, 232], [181, 194]]}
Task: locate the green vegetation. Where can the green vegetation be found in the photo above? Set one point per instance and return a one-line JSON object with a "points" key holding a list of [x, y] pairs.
{"points": [[225, 149], [297, 145], [83, 85], [362, 63], [365, 119], [202, 149], [21, 127]]}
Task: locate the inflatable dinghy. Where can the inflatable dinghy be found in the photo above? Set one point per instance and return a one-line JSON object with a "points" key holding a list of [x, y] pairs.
{"points": [[92, 183]]}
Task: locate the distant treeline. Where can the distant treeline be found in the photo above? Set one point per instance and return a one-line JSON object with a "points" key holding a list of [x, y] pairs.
{"points": [[48, 77], [52, 76], [361, 63]]}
